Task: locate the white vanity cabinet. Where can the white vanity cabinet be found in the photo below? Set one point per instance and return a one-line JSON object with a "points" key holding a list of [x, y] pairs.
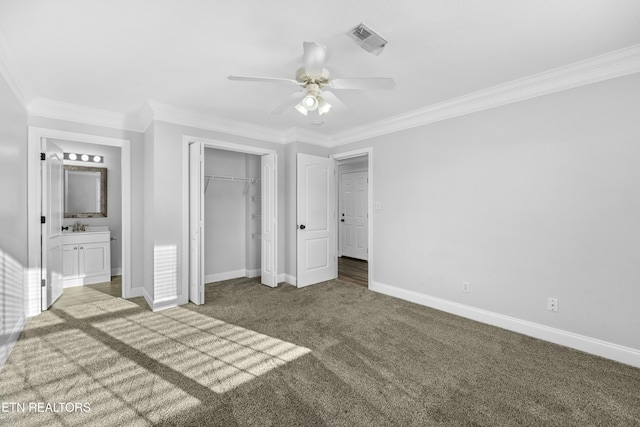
{"points": [[86, 258]]}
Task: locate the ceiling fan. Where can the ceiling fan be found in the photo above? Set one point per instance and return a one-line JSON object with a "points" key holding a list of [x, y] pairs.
{"points": [[315, 82]]}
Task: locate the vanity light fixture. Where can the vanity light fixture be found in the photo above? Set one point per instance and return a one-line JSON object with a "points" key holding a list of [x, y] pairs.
{"points": [[88, 158]]}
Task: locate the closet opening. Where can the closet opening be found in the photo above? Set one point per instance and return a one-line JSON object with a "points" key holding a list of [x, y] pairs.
{"points": [[232, 214]]}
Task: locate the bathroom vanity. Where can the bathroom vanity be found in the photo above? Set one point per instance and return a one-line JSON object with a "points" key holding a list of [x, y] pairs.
{"points": [[86, 257]]}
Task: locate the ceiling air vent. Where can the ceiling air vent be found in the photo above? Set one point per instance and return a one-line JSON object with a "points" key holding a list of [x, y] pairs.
{"points": [[367, 39]]}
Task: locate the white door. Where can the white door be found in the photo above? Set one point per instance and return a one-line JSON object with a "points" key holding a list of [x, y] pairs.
{"points": [[196, 223], [353, 216], [269, 252], [52, 202], [316, 250]]}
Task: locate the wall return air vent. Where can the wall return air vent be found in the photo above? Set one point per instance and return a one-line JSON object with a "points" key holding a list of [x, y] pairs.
{"points": [[368, 39]]}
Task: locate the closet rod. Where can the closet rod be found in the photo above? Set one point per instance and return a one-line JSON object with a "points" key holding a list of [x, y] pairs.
{"points": [[231, 178]]}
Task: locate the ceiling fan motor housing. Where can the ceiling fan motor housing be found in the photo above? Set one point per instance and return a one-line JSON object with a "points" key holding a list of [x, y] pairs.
{"points": [[303, 76]]}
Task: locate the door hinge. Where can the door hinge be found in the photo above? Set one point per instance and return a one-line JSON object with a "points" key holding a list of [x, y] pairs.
{"points": [[43, 156], [43, 220], [43, 283]]}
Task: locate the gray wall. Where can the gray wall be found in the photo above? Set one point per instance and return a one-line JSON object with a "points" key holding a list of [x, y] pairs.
{"points": [[13, 218], [528, 201], [112, 161]]}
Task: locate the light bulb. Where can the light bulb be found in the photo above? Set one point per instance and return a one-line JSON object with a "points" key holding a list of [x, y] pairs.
{"points": [[310, 102], [85, 157], [72, 156], [97, 159]]}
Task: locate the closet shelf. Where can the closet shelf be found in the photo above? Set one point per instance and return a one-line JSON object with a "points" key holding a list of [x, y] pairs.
{"points": [[230, 178]]}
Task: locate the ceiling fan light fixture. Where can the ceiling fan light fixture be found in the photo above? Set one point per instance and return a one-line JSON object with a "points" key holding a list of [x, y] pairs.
{"points": [[301, 108], [323, 106]]}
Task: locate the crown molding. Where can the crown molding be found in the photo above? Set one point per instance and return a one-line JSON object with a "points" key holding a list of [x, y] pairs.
{"points": [[608, 66], [11, 73], [295, 134], [175, 115], [79, 113]]}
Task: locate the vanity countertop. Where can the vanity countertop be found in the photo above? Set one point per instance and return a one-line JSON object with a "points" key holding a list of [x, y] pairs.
{"points": [[89, 229]]}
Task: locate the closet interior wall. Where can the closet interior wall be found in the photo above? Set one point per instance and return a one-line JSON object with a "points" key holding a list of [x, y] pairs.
{"points": [[232, 215]]}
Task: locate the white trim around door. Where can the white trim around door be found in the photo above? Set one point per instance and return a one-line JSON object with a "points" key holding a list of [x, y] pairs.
{"points": [[34, 208], [222, 145], [357, 153]]}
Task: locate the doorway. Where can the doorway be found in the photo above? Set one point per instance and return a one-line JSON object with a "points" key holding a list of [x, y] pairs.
{"points": [[93, 199], [318, 252], [232, 214], [353, 224], [37, 192], [245, 179]]}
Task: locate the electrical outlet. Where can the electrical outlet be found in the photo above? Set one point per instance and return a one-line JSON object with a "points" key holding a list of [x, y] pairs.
{"points": [[465, 287], [552, 304]]}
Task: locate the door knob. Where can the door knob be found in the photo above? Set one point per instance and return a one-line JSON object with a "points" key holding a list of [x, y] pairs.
{"points": [[342, 220], [65, 228], [302, 227]]}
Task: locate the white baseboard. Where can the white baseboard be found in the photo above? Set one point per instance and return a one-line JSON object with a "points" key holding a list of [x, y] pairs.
{"points": [[289, 278], [590, 345], [137, 292], [116, 271], [217, 277], [165, 304], [89, 280], [12, 338], [147, 298]]}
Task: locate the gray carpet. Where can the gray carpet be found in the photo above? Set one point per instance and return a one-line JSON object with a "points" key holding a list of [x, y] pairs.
{"points": [[329, 354]]}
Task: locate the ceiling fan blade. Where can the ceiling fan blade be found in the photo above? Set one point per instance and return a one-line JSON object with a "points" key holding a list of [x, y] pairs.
{"points": [[314, 57], [264, 80], [292, 100], [336, 104], [363, 83]]}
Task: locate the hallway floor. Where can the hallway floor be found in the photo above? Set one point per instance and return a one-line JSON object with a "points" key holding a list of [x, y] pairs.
{"points": [[354, 271]]}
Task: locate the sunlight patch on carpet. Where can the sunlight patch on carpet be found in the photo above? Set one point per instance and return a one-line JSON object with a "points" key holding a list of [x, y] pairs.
{"points": [[71, 366], [215, 354]]}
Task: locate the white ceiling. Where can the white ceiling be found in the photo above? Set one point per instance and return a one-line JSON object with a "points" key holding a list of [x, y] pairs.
{"points": [[117, 54]]}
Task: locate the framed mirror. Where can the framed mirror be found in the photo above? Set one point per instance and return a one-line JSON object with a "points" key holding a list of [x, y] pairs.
{"points": [[85, 192]]}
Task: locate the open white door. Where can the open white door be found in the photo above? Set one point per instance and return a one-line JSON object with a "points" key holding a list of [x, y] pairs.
{"points": [[269, 253], [52, 202], [196, 223], [316, 250], [354, 214]]}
